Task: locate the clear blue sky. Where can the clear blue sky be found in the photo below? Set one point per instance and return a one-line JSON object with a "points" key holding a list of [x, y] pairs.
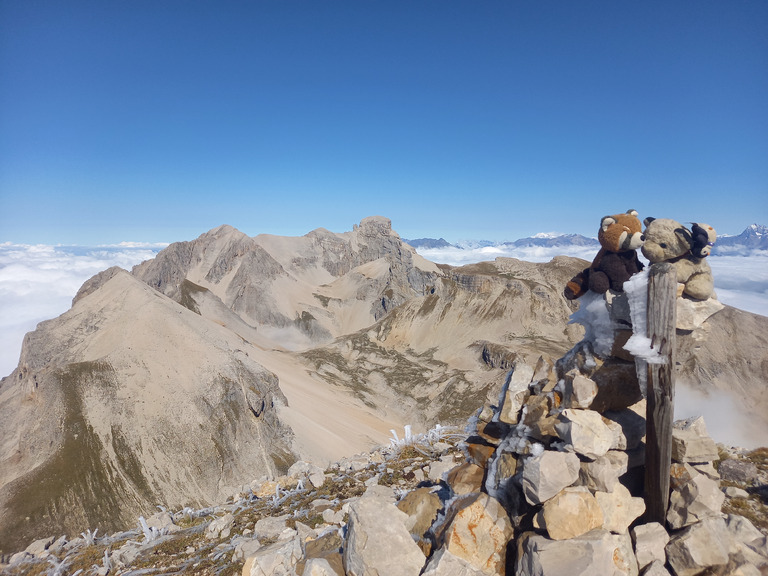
{"points": [[156, 121]]}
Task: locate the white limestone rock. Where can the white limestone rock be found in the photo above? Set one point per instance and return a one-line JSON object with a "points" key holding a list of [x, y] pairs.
{"points": [[695, 500], [650, 541], [547, 474], [278, 559], [572, 512], [320, 567], [445, 563], [656, 568], [603, 473], [596, 552], [477, 529], [270, 527], [691, 441], [586, 431], [699, 546], [619, 508], [691, 314], [579, 391], [378, 542], [220, 527]]}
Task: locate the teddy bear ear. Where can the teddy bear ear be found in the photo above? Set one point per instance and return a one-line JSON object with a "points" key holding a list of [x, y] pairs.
{"points": [[607, 221], [648, 220], [632, 212], [685, 234]]}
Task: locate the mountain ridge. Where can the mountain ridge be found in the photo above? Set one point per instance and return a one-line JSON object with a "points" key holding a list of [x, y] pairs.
{"points": [[323, 343], [753, 237]]}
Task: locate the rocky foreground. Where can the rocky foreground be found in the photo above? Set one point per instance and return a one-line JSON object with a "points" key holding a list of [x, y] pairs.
{"points": [[547, 482]]}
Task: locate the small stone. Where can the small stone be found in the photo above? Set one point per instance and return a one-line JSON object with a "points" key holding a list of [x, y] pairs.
{"points": [[220, 527], [422, 506], [734, 492], [697, 499], [244, 547], [513, 402], [619, 508], [741, 471], [691, 314], [332, 517], [579, 391], [650, 542], [466, 478], [596, 553], [656, 568], [439, 468], [39, 548], [603, 473], [691, 442], [699, 546], [327, 566], [479, 451], [586, 431], [547, 474], [278, 559], [378, 541], [270, 527]]}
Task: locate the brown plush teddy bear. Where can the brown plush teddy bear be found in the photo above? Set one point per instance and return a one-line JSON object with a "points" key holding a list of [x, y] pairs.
{"points": [[667, 240], [620, 235]]}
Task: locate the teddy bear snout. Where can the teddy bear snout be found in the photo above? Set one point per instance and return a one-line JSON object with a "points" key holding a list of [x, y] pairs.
{"points": [[634, 241]]}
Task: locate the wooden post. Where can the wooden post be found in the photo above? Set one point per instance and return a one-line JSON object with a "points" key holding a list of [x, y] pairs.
{"points": [[662, 308]]}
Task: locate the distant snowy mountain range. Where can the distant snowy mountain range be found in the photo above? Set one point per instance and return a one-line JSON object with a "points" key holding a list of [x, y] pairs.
{"points": [[754, 237]]}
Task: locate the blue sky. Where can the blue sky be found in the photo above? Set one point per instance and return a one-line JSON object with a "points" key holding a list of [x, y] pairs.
{"points": [[156, 121]]}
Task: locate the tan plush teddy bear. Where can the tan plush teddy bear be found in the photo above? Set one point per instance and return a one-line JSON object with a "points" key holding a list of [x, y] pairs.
{"points": [[667, 240]]}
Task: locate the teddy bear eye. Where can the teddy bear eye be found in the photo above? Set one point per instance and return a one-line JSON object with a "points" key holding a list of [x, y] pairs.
{"points": [[663, 244]]}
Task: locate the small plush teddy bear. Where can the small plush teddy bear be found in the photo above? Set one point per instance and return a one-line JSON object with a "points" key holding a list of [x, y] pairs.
{"points": [[620, 236], [704, 237], [667, 240]]}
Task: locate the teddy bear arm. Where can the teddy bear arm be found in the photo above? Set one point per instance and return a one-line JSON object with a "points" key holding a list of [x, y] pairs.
{"points": [[699, 286]]}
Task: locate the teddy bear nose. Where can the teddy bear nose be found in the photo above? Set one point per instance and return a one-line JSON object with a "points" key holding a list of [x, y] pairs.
{"points": [[642, 237]]}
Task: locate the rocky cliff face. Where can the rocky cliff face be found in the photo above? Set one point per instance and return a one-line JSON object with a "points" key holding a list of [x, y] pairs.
{"points": [[127, 401], [229, 357]]}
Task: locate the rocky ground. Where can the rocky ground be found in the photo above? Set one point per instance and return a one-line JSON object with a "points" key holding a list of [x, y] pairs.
{"points": [[306, 522]]}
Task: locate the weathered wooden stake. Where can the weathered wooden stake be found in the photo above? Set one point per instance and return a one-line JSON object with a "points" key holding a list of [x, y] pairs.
{"points": [[662, 307]]}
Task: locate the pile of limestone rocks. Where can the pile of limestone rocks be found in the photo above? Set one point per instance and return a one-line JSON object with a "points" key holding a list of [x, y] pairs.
{"points": [[564, 454]]}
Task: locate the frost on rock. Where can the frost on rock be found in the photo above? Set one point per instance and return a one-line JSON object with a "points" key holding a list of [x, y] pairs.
{"points": [[598, 327]]}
